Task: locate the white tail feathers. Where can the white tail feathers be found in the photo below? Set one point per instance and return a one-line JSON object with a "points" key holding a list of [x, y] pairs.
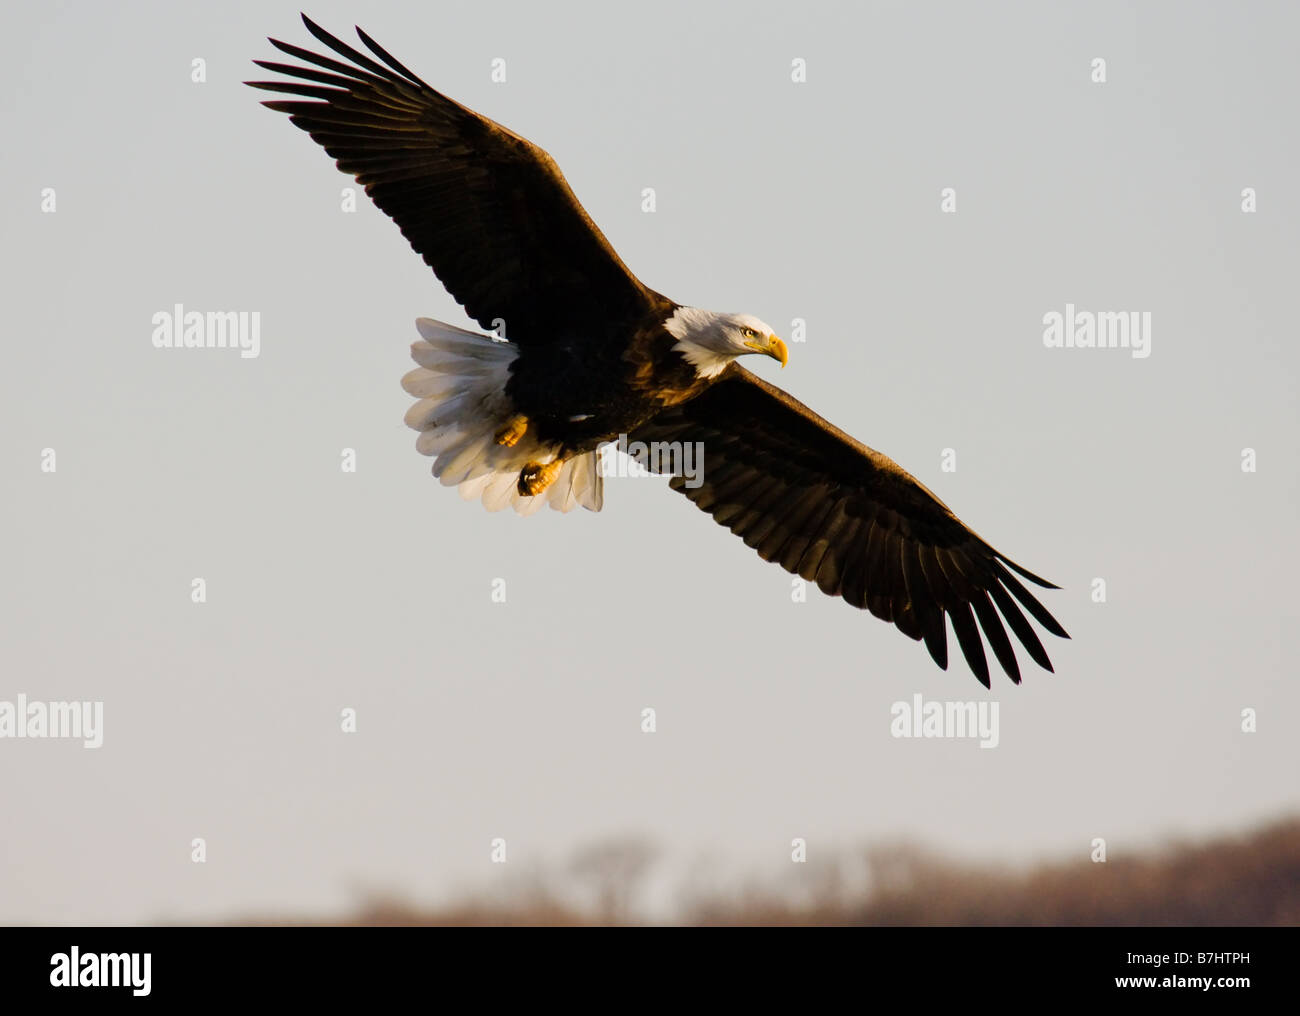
{"points": [[460, 384]]}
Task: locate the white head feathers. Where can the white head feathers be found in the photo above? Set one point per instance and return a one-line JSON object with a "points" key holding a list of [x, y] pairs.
{"points": [[710, 340]]}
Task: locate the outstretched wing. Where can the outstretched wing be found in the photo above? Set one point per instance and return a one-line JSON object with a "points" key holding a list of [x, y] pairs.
{"points": [[828, 508], [488, 211]]}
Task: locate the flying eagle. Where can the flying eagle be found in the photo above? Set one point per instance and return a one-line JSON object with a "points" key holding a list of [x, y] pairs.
{"points": [[591, 354]]}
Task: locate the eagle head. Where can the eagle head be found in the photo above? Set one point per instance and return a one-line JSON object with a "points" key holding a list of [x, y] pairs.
{"points": [[710, 340]]}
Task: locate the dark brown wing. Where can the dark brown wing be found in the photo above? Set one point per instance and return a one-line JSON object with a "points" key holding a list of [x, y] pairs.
{"points": [[489, 212], [828, 508]]}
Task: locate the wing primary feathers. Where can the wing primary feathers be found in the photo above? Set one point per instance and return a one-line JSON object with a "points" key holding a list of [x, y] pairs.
{"points": [[298, 88], [306, 73], [326, 62], [996, 635], [968, 637], [385, 56], [356, 56], [1020, 626], [1024, 572], [1035, 608], [938, 645]]}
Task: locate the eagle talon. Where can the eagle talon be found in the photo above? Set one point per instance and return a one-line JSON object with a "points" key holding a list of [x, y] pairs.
{"points": [[537, 476], [512, 431]]}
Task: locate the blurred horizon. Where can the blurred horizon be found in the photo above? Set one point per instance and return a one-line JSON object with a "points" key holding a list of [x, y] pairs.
{"points": [[1251, 878]]}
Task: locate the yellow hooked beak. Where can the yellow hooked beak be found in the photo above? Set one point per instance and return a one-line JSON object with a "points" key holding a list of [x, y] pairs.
{"points": [[773, 347]]}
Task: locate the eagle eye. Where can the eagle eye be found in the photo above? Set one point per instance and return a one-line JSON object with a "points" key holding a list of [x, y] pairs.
{"points": [[747, 332]]}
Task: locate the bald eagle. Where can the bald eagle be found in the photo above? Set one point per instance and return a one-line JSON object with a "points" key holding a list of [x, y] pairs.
{"points": [[582, 353]]}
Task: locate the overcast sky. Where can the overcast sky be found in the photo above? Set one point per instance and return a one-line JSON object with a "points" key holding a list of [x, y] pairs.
{"points": [[371, 590]]}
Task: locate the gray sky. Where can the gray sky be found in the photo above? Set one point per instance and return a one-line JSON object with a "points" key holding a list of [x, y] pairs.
{"points": [[371, 590]]}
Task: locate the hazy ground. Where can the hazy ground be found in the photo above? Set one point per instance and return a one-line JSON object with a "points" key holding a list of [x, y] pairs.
{"points": [[1251, 879]]}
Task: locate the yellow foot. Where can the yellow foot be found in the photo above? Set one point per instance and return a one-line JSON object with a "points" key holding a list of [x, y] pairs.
{"points": [[537, 476], [513, 430]]}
